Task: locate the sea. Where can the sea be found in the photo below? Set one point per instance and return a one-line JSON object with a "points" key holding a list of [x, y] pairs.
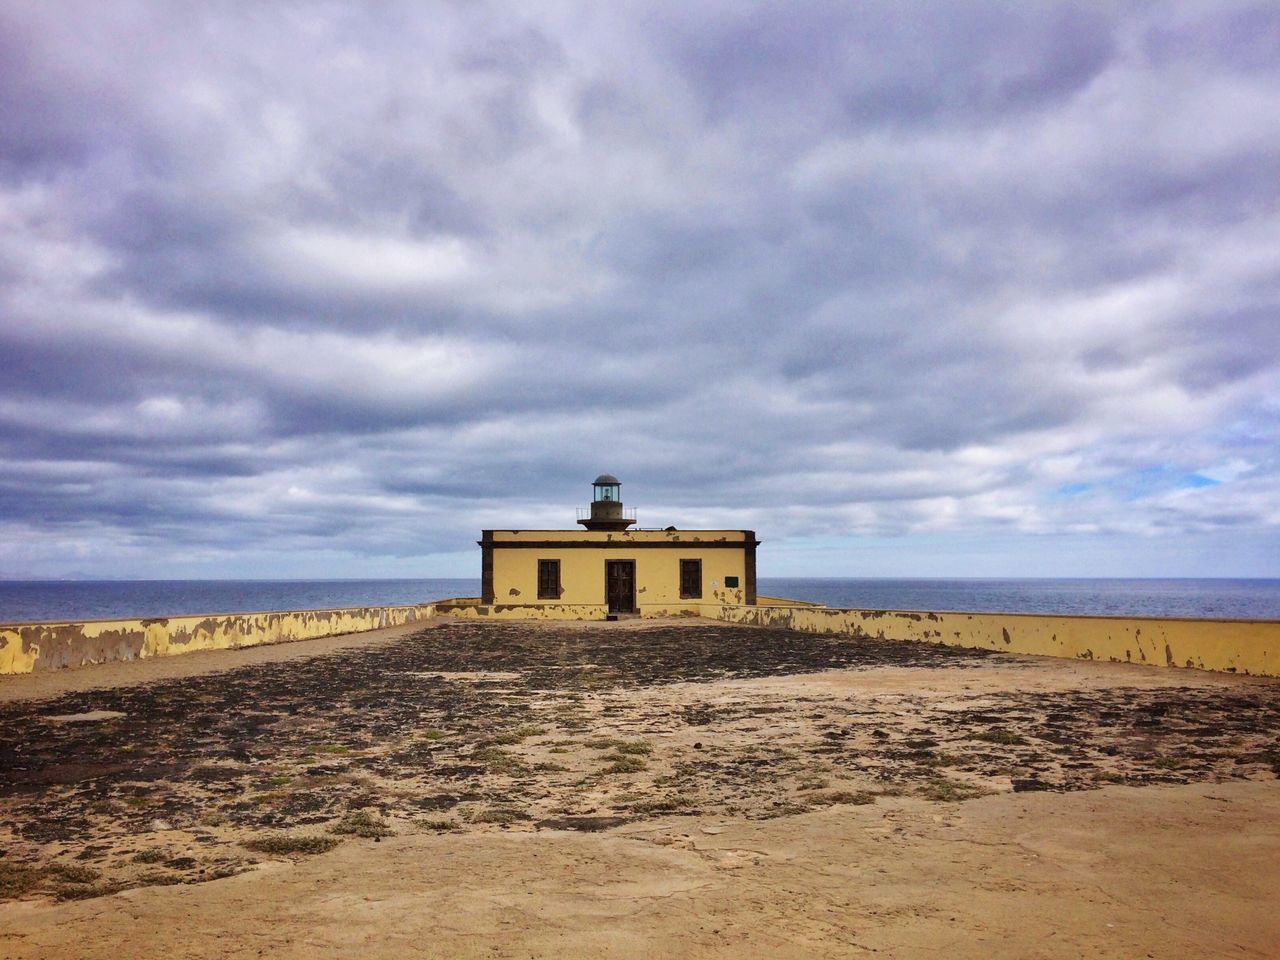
{"points": [[36, 600]]}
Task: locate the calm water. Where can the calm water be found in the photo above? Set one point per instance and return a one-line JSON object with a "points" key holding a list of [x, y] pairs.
{"points": [[98, 600], [22, 601], [1213, 599]]}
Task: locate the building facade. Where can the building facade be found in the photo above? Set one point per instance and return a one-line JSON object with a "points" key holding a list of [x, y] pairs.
{"points": [[613, 568]]}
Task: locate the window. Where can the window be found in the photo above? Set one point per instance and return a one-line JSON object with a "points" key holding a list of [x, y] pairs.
{"points": [[690, 579], [730, 581], [548, 579]]}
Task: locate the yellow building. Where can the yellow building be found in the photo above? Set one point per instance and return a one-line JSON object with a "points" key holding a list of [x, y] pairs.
{"points": [[616, 570]]}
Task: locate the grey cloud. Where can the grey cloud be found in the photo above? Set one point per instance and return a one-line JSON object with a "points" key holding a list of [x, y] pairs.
{"points": [[953, 63], [283, 282]]}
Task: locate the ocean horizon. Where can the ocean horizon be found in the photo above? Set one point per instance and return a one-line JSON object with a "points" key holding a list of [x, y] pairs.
{"points": [[26, 601]]}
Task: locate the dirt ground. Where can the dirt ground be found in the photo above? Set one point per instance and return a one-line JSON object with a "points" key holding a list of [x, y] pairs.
{"points": [[668, 788]]}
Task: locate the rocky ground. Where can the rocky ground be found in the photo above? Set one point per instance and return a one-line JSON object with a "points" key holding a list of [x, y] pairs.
{"points": [[474, 728]]}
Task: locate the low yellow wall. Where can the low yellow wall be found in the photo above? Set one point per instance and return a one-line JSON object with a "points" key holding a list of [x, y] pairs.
{"points": [[1251, 647], [471, 609], [474, 610], [783, 602], [27, 647], [1235, 646]]}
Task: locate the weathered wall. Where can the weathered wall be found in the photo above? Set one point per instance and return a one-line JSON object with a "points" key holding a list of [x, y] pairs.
{"points": [[509, 563], [515, 573], [25, 648], [1231, 645], [783, 602], [549, 610], [472, 610]]}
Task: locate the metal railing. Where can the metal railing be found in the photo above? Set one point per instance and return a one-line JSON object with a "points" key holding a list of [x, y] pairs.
{"points": [[584, 513]]}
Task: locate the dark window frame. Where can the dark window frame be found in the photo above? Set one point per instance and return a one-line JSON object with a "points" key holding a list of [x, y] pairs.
{"points": [[549, 587], [685, 594]]}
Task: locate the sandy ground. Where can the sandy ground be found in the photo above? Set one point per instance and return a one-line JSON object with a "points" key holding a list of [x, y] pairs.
{"points": [[636, 790], [1180, 872]]}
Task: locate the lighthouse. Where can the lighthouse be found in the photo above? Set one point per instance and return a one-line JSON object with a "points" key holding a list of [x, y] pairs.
{"points": [[606, 505], [611, 569]]}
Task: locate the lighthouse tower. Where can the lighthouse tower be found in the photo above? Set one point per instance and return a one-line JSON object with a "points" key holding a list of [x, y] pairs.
{"points": [[606, 505]]}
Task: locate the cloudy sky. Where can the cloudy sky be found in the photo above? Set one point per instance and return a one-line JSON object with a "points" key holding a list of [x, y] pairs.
{"points": [[937, 288]]}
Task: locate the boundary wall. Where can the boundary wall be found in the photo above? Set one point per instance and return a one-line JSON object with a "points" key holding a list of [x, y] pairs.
{"points": [[29, 647], [1233, 646], [473, 608]]}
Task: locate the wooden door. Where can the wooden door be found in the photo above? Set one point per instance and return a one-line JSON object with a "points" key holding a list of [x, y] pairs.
{"points": [[620, 585]]}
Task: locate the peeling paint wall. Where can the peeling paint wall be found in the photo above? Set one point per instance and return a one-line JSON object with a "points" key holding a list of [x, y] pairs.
{"points": [[512, 563], [679, 608], [550, 610], [28, 647], [515, 574], [522, 611], [783, 602], [1234, 646], [1237, 646]]}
